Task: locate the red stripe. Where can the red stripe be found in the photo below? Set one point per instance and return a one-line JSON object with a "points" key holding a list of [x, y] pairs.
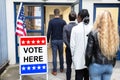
{"points": [[24, 33], [22, 30], [19, 23], [18, 34]]}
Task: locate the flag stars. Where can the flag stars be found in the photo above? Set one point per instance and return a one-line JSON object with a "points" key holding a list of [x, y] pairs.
{"points": [[38, 67], [28, 68], [23, 68], [23, 42], [43, 41], [38, 41], [28, 42], [43, 67], [20, 29], [33, 41], [33, 67]]}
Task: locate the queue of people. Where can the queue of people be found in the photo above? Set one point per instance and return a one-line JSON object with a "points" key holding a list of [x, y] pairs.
{"points": [[91, 49]]}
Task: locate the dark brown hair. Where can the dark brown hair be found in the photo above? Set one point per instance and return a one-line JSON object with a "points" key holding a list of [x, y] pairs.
{"points": [[56, 12], [84, 15]]}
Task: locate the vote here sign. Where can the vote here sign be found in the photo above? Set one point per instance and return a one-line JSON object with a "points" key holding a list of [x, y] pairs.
{"points": [[33, 55]]}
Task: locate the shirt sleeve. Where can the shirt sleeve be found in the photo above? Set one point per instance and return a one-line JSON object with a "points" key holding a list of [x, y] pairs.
{"points": [[49, 31], [89, 49], [65, 36]]}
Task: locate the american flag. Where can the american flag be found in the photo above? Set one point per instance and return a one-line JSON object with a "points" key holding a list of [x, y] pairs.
{"points": [[20, 24]]}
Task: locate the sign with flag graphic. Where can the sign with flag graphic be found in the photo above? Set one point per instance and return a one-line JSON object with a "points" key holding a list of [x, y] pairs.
{"points": [[33, 55], [20, 23]]}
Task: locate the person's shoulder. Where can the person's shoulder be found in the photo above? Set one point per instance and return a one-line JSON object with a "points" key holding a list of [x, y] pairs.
{"points": [[51, 19], [93, 32], [75, 27], [90, 26], [65, 26], [62, 19]]}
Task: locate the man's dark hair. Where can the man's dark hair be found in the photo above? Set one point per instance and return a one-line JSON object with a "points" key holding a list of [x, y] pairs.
{"points": [[72, 16], [56, 12], [84, 15]]}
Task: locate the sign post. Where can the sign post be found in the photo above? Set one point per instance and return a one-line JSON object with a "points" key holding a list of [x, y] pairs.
{"points": [[33, 55]]}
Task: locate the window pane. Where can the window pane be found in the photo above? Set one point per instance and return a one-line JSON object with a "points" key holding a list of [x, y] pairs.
{"points": [[33, 34], [31, 10], [33, 24], [17, 8]]}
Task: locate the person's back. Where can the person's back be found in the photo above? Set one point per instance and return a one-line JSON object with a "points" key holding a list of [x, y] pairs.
{"points": [[57, 25], [55, 32], [103, 44], [68, 31], [66, 38], [77, 44]]}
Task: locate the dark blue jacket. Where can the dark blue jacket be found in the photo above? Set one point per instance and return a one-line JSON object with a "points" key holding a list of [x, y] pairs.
{"points": [[55, 29]]}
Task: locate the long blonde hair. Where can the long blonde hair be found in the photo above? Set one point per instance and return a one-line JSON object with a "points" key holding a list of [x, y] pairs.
{"points": [[108, 36]]}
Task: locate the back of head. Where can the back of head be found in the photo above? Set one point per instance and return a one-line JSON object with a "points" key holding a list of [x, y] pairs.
{"points": [[56, 12], [72, 16], [108, 34], [84, 15]]}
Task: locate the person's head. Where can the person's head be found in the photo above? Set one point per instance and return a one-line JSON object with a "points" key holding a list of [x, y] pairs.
{"points": [[72, 16], [107, 34], [56, 12], [83, 16]]}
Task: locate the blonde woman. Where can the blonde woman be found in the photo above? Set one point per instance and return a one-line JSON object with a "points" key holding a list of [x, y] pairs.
{"points": [[102, 46]]}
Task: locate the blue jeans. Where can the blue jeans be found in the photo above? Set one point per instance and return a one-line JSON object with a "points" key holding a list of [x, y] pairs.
{"points": [[100, 72], [57, 45]]}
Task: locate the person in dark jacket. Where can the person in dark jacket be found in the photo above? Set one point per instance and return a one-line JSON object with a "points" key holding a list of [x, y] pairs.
{"points": [[66, 38], [55, 32], [102, 46]]}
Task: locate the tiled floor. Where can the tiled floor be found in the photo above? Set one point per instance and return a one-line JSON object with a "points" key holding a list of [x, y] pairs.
{"points": [[12, 73]]}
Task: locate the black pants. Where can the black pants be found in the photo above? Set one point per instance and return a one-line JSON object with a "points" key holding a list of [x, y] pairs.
{"points": [[82, 74], [69, 63]]}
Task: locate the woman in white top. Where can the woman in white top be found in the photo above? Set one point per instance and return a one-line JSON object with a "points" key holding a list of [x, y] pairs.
{"points": [[78, 45]]}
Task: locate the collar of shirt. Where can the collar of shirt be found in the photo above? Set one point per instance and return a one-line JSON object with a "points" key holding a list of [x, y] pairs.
{"points": [[72, 22]]}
